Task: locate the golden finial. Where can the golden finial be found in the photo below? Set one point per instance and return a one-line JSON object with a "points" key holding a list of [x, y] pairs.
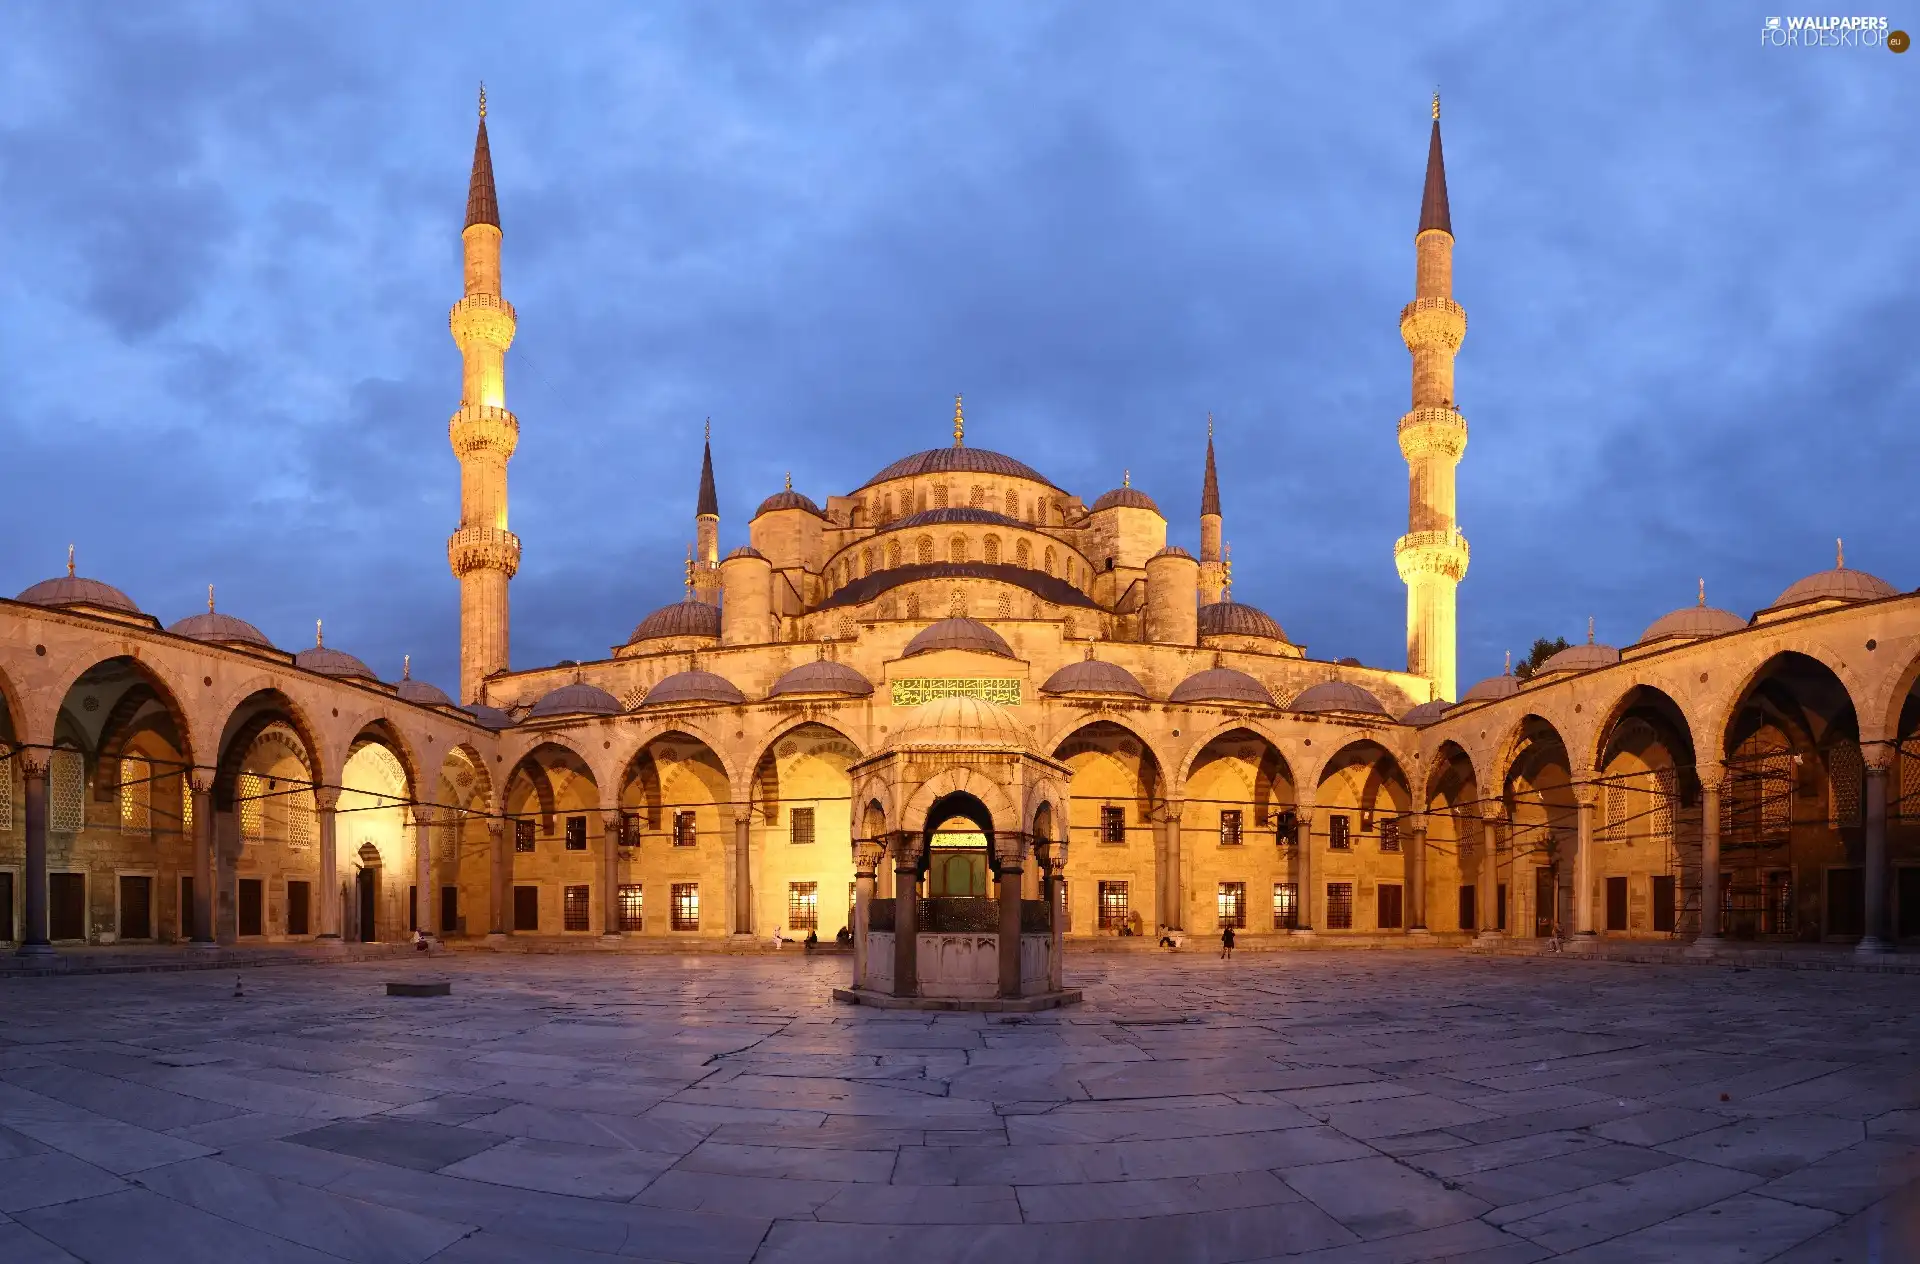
{"points": [[959, 424], [406, 667], [1703, 590], [69, 561], [708, 437], [789, 480], [1508, 669], [1436, 105], [1226, 572], [1209, 427], [1589, 629], [1839, 556], [319, 633], [209, 598], [1126, 478], [689, 572], [483, 98]]}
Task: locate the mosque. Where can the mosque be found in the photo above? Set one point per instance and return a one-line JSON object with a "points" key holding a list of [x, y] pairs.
{"points": [[961, 681]]}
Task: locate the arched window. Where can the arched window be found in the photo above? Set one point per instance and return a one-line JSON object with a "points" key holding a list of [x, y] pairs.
{"points": [[1023, 554], [1006, 605], [1013, 503], [136, 796], [1050, 560], [913, 605], [977, 497], [939, 495], [993, 550], [66, 791], [886, 507], [866, 562], [957, 605], [1846, 771], [893, 552], [252, 795], [924, 549], [957, 549]]}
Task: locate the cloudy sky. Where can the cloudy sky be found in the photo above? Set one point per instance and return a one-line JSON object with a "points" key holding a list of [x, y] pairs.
{"points": [[229, 238]]}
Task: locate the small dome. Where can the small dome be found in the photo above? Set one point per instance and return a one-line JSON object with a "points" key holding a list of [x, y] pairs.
{"points": [[326, 661], [1426, 713], [746, 550], [1232, 618], [1125, 498], [1838, 584], [74, 590], [958, 634], [1581, 658], [960, 723], [221, 629], [1094, 676], [1221, 684], [1172, 550], [822, 676], [420, 693], [1692, 622], [788, 499], [692, 686], [578, 698], [489, 717], [1492, 689], [957, 461], [682, 618], [1336, 695]]}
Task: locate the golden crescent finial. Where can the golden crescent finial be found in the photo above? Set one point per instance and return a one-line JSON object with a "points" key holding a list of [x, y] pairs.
{"points": [[69, 561], [1126, 478], [1839, 556], [789, 480], [1436, 105], [209, 598], [319, 633], [1589, 629], [483, 98], [708, 437], [406, 667], [1703, 590], [959, 424], [1209, 427], [1508, 669]]}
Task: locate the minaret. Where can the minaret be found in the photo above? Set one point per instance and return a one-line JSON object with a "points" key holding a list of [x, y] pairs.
{"points": [[483, 554], [706, 517], [1213, 570], [1432, 556]]}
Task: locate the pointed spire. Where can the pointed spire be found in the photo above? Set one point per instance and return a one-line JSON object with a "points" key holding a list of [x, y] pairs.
{"points": [[406, 667], [319, 633], [1589, 629], [69, 561], [709, 503], [1433, 201], [1126, 478], [1703, 590], [1508, 669], [789, 480], [1839, 556], [959, 424], [209, 598], [482, 206], [1210, 489]]}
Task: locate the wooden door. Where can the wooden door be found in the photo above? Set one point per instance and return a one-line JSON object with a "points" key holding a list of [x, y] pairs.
{"points": [[1546, 899], [1389, 906], [66, 906], [369, 884], [1616, 903], [1663, 903], [136, 908], [252, 918]]}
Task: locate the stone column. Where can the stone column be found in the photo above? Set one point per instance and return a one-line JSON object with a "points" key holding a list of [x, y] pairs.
{"points": [[867, 854], [906, 916], [1490, 873], [33, 936], [1303, 869], [1176, 912], [1588, 797], [424, 910], [1710, 791], [1054, 862], [1010, 850], [610, 875], [1417, 878], [742, 878], [325, 800], [1878, 939], [499, 878], [203, 861]]}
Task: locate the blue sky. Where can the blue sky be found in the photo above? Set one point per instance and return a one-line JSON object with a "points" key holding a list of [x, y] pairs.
{"points": [[229, 238]]}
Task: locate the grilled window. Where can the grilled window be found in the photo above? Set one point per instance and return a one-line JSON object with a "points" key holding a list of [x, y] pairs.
{"points": [[523, 835], [1022, 553], [1338, 837], [686, 906], [1286, 828], [1846, 772], [576, 833], [1390, 834], [800, 826], [957, 549], [1231, 905], [684, 834], [803, 905], [1666, 793], [6, 798], [1113, 905], [1339, 906], [631, 906], [136, 796], [1230, 827], [991, 550], [1286, 905], [252, 795], [629, 830], [573, 908], [923, 549], [66, 791], [1113, 825]]}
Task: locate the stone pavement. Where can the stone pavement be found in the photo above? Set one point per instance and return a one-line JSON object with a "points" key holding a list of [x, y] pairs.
{"points": [[1365, 1108]]}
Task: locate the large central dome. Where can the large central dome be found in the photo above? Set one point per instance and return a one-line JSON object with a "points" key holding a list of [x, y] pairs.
{"points": [[958, 460]]}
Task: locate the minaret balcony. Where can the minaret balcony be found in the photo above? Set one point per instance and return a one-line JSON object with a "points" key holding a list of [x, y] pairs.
{"points": [[1430, 432], [481, 428], [483, 549], [482, 318], [1433, 324], [1420, 554]]}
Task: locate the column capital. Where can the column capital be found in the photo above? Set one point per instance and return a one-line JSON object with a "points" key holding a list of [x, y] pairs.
{"points": [[1052, 855], [1010, 849], [495, 828], [1712, 777], [867, 854], [33, 763], [610, 819], [325, 798], [1878, 757], [1586, 794], [425, 814]]}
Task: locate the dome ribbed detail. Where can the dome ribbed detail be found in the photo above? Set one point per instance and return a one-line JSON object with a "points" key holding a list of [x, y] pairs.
{"points": [[1336, 695], [1692, 622], [1839, 584], [578, 698], [420, 693], [221, 629], [1233, 618], [1426, 713], [958, 634], [489, 717], [693, 686], [1124, 498], [682, 618], [1492, 689], [822, 677], [1581, 658], [746, 550], [327, 661], [1173, 550], [1094, 676], [960, 723], [789, 499], [74, 590], [1221, 684], [957, 461], [1039, 583], [951, 517]]}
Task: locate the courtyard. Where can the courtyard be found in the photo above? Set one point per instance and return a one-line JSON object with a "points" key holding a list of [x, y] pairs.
{"points": [[1363, 1107]]}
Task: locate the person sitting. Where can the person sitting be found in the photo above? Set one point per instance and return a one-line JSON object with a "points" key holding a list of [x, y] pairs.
{"points": [[813, 939], [779, 939], [845, 936]]}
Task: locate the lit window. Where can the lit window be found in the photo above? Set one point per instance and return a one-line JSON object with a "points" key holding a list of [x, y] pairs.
{"points": [[1230, 827], [576, 833], [1339, 906], [573, 908], [66, 791], [631, 906], [686, 906], [1113, 825], [1286, 906], [136, 795], [1231, 903], [252, 793], [684, 834], [800, 826], [1113, 905], [803, 905], [1286, 828]]}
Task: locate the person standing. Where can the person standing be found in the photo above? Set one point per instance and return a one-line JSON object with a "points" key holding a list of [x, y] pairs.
{"points": [[1226, 944]]}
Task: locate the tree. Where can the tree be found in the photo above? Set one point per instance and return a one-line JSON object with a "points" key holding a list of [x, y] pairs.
{"points": [[1542, 650]]}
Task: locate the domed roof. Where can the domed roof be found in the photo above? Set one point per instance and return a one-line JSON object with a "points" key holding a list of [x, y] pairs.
{"points": [[1233, 618], [960, 723], [1336, 695], [945, 517], [331, 662], [420, 693], [788, 499], [1838, 584], [1172, 550], [1128, 497], [746, 550], [822, 676], [578, 698], [74, 590], [957, 460], [682, 618], [1094, 676], [692, 686], [958, 634], [1581, 658], [1493, 688], [488, 717], [1221, 684], [1426, 713], [1693, 622], [221, 629]]}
